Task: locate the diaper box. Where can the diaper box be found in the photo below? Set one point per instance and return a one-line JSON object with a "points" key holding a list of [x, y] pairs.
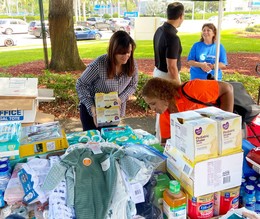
{"points": [[106, 100], [196, 136], [206, 176], [108, 117], [107, 109], [229, 129]]}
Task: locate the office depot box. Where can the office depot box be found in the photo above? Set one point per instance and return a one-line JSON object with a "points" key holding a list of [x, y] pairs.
{"points": [[19, 99], [108, 117], [229, 129], [195, 136], [108, 100], [206, 176]]}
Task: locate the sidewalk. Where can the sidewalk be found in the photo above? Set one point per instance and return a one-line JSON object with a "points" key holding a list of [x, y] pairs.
{"points": [[146, 123]]}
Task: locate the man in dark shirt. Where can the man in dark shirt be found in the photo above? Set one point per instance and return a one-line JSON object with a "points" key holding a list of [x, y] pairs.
{"points": [[167, 45]]}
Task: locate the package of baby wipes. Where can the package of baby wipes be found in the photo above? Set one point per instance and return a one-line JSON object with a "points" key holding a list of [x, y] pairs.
{"points": [[120, 135]]}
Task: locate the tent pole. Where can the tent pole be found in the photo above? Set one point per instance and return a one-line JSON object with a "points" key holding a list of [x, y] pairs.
{"points": [[220, 15]]}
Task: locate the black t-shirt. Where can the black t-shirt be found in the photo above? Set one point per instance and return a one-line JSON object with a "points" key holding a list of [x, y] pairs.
{"points": [[166, 45]]}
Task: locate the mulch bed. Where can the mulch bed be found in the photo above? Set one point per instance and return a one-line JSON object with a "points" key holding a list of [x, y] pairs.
{"points": [[243, 63]]}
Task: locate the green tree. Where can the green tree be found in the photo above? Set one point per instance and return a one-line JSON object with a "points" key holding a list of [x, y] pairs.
{"points": [[64, 50]]}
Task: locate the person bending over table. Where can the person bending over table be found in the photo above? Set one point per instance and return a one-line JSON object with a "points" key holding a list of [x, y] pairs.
{"points": [[114, 71], [166, 97]]}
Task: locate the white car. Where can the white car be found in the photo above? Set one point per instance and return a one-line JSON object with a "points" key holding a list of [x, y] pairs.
{"points": [[10, 26], [7, 40]]}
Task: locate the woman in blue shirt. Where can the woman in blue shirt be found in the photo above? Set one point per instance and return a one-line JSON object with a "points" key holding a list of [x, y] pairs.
{"points": [[202, 56]]}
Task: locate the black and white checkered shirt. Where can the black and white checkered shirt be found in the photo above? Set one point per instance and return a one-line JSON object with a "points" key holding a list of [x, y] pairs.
{"points": [[95, 80]]}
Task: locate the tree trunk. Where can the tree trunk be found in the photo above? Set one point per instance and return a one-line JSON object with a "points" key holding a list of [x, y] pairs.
{"points": [[64, 50]]}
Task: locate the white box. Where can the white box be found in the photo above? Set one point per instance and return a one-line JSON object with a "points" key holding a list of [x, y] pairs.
{"points": [[106, 101], [196, 136], [19, 114], [229, 129], [19, 87], [108, 117], [19, 99], [207, 176]]}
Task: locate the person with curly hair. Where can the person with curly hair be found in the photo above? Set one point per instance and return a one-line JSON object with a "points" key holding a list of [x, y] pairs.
{"points": [[168, 96]]}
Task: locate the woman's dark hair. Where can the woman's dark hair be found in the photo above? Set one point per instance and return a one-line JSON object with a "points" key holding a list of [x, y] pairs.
{"points": [[213, 28], [119, 44], [175, 10]]}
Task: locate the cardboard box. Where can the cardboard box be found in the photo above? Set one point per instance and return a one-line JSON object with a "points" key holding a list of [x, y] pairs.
{"points": [[43, 147], [19, 87], [207, 176], [19, 99], [107, 109], [229, 129], [194, 135], [106, 101], [108, 117]]}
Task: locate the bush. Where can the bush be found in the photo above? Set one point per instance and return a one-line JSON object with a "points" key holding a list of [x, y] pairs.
{"points": [[65, 91], [251, 84], [250, 29]]}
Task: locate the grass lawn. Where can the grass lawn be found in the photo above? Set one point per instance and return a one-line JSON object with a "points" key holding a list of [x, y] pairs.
{"points": [[232, 42]]}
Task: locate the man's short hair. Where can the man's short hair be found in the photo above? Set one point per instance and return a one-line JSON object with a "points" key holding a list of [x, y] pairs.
{"points": [[175, 10]]}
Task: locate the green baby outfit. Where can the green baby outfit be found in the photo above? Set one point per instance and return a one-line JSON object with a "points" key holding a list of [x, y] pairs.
{"points": [[94, 184]]}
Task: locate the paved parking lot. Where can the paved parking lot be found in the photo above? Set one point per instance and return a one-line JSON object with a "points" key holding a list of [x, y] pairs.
{"points": [[188, 26]]}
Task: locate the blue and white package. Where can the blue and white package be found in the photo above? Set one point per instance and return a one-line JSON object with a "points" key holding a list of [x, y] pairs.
{"points": [[84, 137]]}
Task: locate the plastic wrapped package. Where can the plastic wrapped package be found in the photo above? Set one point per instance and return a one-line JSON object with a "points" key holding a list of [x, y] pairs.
{"points": [[120, 135], [253, 159], [9, 131], [40, 132], [84, 137], [9, 139], [146, 137], [14, 192]]}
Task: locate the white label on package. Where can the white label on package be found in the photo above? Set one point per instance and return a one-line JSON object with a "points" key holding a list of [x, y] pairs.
{"points": [[50, 146], [17, 84]]}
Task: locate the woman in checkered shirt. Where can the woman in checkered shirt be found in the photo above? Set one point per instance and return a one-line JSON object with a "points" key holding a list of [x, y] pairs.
{"points": [[114, 71]]}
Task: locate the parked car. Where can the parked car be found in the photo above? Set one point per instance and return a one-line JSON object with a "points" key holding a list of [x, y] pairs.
{"points": [[85, 33], [35, 28], [7, 40], [9, 26], [246, 19], [120, 24], [95, 23]]}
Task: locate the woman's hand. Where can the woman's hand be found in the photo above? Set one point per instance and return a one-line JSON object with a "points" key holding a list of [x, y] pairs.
{"points": [[119, 102], [206, 67], [94, 115]]}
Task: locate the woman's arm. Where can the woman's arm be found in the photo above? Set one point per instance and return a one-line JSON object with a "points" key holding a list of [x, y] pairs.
{"points": [[131, 87], [203, 65], [226, 96], [84, 86]]}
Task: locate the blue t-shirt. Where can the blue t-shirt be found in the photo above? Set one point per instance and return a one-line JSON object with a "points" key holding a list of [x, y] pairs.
{"points": [[201, 52]]}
